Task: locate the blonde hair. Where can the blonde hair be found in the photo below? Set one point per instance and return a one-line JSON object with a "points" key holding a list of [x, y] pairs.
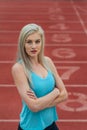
{"points": [[24, 33]]}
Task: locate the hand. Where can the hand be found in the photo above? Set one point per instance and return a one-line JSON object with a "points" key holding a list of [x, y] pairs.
{"points": [[57, 90], [31, 94]]}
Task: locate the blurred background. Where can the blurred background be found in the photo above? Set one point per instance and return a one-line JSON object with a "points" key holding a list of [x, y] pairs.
{"points": [[65, 26]]}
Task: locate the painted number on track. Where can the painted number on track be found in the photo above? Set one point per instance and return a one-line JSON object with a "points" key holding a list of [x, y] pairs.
{"points": [[76, 103]]}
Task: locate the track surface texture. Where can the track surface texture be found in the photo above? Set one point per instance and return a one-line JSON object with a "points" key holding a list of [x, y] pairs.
{"points": [[65, 25]]}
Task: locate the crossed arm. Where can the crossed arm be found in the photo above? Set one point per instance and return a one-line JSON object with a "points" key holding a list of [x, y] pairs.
{"points": [[61, 95], [58, 95]]}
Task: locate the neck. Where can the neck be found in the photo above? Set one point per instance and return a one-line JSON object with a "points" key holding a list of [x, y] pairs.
{"points": [[34, 61]]}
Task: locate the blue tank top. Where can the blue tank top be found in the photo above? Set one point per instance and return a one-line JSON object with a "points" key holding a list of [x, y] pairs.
{"points": [[39, 120]]}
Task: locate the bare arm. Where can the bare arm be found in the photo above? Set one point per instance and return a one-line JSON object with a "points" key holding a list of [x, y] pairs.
{"points": [[35, 104], [59, 84], [62, 97]]}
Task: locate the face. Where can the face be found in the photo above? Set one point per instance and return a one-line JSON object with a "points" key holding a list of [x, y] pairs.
{"points": [[33, 44]]}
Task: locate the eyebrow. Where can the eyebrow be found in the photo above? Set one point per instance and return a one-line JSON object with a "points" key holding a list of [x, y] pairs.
{"points": [[31, 40]]}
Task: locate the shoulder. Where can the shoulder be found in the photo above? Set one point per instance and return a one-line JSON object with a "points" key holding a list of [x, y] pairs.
{"points": [[49, 62], [18, 73], [17, 67], [48, 59], [52, 67]]}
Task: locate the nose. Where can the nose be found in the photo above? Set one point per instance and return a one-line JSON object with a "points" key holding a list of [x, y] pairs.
{"points": [[33, 45]]}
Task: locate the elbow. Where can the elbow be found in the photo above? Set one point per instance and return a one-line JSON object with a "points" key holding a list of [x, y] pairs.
{"points": [[65, 96], [34, 107]]}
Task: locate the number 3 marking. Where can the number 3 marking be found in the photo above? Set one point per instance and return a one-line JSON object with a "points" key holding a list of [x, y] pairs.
{"points": [[79, 104]]}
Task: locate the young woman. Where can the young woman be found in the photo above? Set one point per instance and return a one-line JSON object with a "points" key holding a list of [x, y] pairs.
{"points": [[37, 81]]}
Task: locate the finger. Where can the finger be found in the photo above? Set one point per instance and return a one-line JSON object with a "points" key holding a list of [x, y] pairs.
{"points": [[31, 94]]}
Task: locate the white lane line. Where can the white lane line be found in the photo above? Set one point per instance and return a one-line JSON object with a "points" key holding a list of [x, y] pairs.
{"points": [[79, 17], [48, 31], [6, 62], [74, 62], [70, 62], [31, 13], [67, 85], [9, 120], [60, 120], [47, 44], [7, 85], [73, 120], [76, 85], [37, 21], [68, 44], [82, 9], [8, 44]]}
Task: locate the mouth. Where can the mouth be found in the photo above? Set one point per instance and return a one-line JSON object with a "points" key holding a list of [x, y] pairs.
{"points": [[34, 51]]}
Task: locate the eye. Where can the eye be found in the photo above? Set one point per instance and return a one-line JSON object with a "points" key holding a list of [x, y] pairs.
{"points": [[29, 42], [37, 41]]}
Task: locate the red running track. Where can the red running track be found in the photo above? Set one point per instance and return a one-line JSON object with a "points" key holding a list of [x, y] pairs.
{"points": [[65, 25]]}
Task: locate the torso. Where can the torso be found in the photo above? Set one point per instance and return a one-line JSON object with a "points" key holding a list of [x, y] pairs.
{"points": [[40, 70]]}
